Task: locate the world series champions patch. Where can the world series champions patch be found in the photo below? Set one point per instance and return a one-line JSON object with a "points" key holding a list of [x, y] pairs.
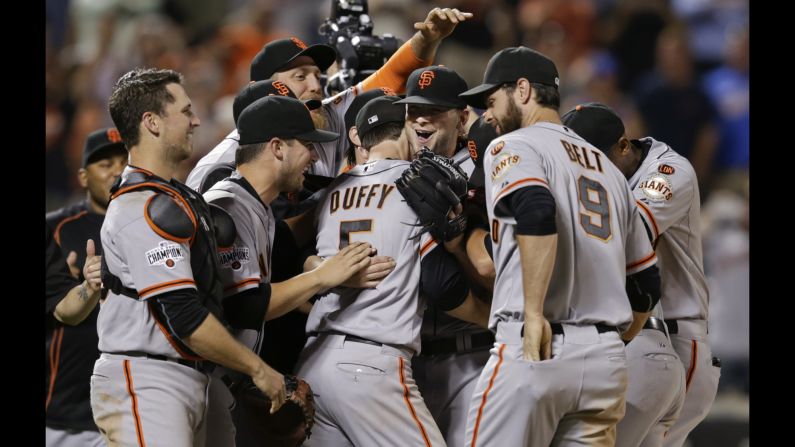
{"points": [[166, 253], [657, 187], [234, 258]]}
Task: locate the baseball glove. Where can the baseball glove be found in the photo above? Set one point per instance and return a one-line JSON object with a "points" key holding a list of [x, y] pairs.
{"points": [[433, 186], [291, 425]]}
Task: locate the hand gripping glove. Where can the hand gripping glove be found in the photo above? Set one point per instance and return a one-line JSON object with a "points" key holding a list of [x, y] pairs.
{"points": [[291, 425], [432, 186]]}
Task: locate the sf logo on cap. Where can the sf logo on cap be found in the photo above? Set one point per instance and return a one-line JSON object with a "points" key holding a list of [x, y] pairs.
{"points": [[298, 42], [426, 77], [114, 136], [281, 88]]}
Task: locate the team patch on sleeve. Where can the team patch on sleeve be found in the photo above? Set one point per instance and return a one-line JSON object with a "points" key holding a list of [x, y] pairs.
{"points": [[234, 258], [657, 187], [665, 169], [502, 164], [166, 253]]}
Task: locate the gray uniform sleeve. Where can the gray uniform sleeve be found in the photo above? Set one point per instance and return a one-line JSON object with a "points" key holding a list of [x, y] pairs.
{"points": [[240, 266], [508, 168], [156, 263], [664, 199], [639, 252]]}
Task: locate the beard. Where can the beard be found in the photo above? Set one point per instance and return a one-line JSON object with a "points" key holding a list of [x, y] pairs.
{"points": [[512, 119], [319, 118]]}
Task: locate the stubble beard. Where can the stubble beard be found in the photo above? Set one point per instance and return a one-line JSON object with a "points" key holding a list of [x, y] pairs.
{"points": [[513, 118]]}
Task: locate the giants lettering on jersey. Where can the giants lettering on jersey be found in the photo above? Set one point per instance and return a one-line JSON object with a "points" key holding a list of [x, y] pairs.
{"points": [[234, 258], [355, 196], [166, 253], [657, 187], [580, 156], [502, 164]]}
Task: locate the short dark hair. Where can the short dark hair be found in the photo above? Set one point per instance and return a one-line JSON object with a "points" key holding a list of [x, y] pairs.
{"points": [[137, 92], [248, 152], [388, 131], [546, 95]]}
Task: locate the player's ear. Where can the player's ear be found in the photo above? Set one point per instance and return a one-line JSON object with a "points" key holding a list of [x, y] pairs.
{"points": [[463, 118], [524, 89], [151, 123], [624, 146], [353, 134], [82, 177], [277, 146]]}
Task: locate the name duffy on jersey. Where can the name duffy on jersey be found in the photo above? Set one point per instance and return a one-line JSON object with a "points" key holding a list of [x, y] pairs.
{"points": [[167, 253]]}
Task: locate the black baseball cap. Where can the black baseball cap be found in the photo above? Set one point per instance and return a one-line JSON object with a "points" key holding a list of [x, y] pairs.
{"points": [[260, 89], [279, 116], [596, 123], [277, 54], [360, 100], [436, 85], [478, 138], [101, 142], [379, 111], [509, 65]]}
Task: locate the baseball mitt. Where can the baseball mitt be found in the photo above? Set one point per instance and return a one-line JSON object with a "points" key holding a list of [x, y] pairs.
{"points": [[291, 425], [433, 186]]}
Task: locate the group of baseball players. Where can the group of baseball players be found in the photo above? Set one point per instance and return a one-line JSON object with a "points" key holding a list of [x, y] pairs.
{"points": [[559, 299]]}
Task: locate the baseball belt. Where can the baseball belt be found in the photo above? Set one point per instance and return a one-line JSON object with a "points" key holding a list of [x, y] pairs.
{"points": [[348, 337], [557, 328], [198, 365], [655, 323], [460, 343]]}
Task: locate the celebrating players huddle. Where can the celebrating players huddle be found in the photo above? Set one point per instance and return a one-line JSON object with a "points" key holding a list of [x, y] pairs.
{"points": [[518, 278]]}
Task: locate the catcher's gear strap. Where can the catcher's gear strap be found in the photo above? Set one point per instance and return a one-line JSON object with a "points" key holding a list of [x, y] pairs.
{"points": [[441, 280], [225, 231], [179, 312], [247, 309], [169, 219], [215, 174], [533, 208], [643, 289]]}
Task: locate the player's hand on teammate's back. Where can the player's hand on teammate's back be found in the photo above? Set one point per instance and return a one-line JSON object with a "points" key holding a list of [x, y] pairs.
{"points": [[92, 268], [370, 276], [340, 267], [537, 342], [271, 383], [441, 22]]}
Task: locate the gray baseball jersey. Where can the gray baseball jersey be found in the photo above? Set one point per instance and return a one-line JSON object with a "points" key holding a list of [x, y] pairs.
{"points": [[601, 238], [135, 399], [666, 189], [363, 205], [223, 152], [358, 355]]}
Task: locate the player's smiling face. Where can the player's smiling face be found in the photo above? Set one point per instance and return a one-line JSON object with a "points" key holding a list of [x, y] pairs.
{"points": [[98, 177], [178, 125], [298, 158], [302, 76], [436, 127]]}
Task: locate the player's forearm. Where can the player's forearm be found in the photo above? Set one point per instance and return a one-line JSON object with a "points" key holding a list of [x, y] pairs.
{"points": [[212, 341], [288, 295], [638, 320], [77, 305], [537, 255], [472, 310], [481, 260], [312, 262]]}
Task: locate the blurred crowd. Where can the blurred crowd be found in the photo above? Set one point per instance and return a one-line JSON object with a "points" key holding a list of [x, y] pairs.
{"points": [[676, 70]]}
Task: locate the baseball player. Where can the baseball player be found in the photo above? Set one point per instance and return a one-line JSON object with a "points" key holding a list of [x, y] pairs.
{"points": [[567, 237], [73, 349], [356, 154], [453, 351], [271, 159], [361, 341], [160, 267], [667, 195]]}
